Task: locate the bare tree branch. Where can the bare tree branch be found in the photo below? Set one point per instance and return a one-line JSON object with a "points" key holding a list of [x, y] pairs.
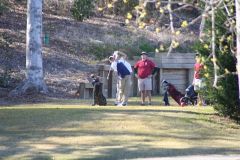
{"points": [[202, 25], [171, 24], [224, 75]]}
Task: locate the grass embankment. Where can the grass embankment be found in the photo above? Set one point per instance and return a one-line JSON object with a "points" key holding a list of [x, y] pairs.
{"points": [[67, 130]]}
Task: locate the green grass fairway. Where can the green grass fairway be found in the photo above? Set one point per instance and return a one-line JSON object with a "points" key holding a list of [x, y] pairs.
{"points": [[72, 129]]}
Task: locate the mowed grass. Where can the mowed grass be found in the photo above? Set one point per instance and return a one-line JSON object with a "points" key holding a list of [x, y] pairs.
{"points": [[72, 129]]}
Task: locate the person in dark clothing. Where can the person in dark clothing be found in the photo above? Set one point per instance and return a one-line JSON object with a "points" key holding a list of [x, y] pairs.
{"points": [[165, 99], [165, 96]]}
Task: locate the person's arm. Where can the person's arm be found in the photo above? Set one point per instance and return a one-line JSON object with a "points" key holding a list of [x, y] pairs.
{"points": [[123, 55], [155, 70], [109, 71], [136, 70]]}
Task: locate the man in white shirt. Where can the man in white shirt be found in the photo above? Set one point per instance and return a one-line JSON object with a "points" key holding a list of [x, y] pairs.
{"points": [[124, 71]]}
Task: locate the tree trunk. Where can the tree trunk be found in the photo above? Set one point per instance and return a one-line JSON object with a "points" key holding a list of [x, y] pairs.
{"points": [[214, 45], [34, 69], [237, 5]]}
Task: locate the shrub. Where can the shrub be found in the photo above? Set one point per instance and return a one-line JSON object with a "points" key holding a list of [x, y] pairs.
{"points": [[3, 7], [57, 7], [5, 79], [147, 47], [101, 51], [224, 98], [121, 8], [82, 9], [5, 43]]}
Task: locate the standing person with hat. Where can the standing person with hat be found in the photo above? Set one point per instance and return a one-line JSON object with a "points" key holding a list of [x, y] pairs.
{"points": [[144, 70], [123, 70]]}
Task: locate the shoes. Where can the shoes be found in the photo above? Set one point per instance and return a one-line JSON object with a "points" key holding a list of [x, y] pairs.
{"points": [[142, 104], [149, 103], [121, 104]]}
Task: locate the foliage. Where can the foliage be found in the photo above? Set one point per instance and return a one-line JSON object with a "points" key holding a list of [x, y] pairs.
{"points": [[224, 98], [5, 79], [116, 7], [101, 51], [58, 7], [5, 46], [3, 7], [131, 46], [147, 47], [121, 7], [82, 9]]}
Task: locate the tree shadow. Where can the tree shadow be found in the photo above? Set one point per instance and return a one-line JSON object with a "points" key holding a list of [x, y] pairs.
{"points": [[23, 129], [146, 152]]}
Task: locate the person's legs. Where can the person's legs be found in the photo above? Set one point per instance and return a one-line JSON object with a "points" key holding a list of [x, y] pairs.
{"points": [[148, 93], [126, 87], [143, 97], [121, 90], [141, 87], [165, 99], [148, 88], [197, 87], [117, 93]]}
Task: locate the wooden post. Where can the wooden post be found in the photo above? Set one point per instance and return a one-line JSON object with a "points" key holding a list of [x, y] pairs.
{"points": [[161, 79], [110, 84], [135, 86], [190, 76], [158, 82], [82, 90]]}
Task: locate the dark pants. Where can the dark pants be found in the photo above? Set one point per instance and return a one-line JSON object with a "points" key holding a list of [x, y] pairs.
{"points": [[165, 99]]}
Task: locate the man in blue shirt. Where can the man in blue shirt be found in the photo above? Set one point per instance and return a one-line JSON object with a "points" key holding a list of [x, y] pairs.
{"points": [[123, 70]]}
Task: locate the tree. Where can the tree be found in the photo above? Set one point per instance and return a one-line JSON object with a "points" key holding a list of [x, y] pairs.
{"points": [[34, 69], [218, 51], [237, 5]]}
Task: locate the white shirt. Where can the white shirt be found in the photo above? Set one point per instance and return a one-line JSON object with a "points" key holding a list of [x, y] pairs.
{"points": [[114, 65]]}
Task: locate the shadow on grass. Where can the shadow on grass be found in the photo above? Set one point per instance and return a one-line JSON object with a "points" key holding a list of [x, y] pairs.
{"points": [[22, 128], [144, 152]]}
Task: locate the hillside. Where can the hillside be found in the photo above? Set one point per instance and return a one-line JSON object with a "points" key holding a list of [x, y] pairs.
{"points": [[74, 47]]}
